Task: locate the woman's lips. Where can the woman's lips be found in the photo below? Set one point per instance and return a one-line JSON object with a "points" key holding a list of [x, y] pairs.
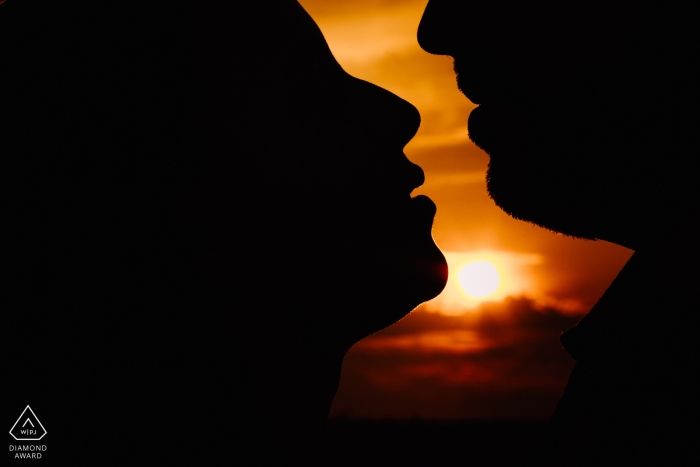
{"points": [[423, 205], [410, 217], [418, 217]]}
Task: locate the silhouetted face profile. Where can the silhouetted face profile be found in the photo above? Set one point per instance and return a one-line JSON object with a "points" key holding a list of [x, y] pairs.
{"points": [[588, 111], [585, 109], [313, 176], [207, 212]]}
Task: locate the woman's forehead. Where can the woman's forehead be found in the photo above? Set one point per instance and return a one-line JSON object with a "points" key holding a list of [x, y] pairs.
{"points": [[296, 36]]}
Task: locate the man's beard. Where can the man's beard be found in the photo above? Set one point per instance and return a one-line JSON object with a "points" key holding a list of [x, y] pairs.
{"points": [[551, 199]]}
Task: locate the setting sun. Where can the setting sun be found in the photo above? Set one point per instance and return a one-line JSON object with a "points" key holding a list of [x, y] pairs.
{"points": [[486, 276], [479, 279]]}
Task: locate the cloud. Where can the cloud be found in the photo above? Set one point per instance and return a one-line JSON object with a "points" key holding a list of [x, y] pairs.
{"points": [[362, 31], [360, 8], [502, 361], [444, 341]]}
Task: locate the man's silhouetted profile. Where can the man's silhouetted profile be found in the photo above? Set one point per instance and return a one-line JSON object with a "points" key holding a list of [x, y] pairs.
{"points": [[588, 111], [202, 212]]}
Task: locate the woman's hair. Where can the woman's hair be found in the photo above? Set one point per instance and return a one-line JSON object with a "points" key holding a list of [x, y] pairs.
{"points": [[100, 151]]}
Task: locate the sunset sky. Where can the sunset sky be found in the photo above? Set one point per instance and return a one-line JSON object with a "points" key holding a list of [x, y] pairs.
{"points": [[460, 356]]}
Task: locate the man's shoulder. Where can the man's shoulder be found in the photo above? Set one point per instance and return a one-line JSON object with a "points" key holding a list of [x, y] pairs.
{"points": [[642, 323]]}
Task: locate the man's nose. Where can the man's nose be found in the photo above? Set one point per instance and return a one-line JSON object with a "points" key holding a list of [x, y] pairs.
{"points": [[450, 27], [436, 27]]}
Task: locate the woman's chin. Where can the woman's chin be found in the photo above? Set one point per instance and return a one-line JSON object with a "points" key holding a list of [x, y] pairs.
{"points": [[418, 277], [424, 274]]}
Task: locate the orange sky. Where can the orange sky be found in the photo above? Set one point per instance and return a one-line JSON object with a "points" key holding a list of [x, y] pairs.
{"points": [[455, 357]]}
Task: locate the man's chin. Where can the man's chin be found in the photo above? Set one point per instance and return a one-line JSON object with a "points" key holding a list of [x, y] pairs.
{"points": [[525, 198]]}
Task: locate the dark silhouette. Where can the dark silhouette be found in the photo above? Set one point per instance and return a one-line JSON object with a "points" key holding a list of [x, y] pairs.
{"points": [[203, 212], [588, 111]]}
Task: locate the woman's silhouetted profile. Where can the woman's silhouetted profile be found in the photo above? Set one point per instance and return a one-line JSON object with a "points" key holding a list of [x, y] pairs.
{"points": [[204, 213]]}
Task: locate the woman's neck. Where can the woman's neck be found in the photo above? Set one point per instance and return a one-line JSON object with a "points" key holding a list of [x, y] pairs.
{"points": [[293, 378]]}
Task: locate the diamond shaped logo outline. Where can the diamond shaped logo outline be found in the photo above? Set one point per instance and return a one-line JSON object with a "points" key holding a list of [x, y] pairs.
{"points": [[35, 418]]}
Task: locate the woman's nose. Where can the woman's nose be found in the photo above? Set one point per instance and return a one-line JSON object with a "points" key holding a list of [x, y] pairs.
{"points": [[415, 175], [391, 121], [399, 122], [388, 123], [404, 122]]}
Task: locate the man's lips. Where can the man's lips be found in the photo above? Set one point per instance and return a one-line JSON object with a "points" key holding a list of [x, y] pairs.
{"points": [[484, 80], [498, 128]]}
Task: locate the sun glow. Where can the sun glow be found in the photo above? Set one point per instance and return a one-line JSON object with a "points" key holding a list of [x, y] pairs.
{"points": [[479, 279], [485, 275]]}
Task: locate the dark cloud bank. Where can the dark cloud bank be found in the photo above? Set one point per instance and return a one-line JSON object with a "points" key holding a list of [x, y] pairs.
{"points": [[502, 361]]}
